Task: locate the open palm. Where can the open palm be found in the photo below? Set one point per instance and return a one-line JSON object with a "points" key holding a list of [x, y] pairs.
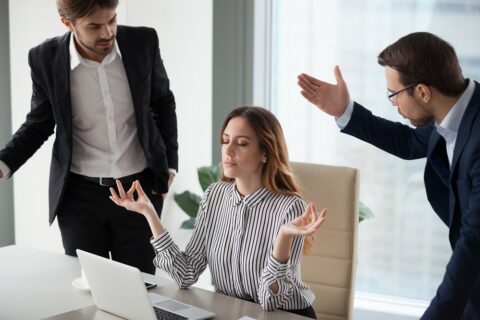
{"points": [[127, 200], [330, 98], [307, 224]]}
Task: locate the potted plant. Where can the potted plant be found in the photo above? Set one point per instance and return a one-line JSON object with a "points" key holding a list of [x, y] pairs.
{"points": [[189, 202]]}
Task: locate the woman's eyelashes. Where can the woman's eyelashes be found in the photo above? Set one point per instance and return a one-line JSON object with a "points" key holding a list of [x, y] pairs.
{"points": [[239, 143]]}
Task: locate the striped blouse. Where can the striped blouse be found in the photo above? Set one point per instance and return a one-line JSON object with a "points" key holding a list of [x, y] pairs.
{"points": [[235, 236]]}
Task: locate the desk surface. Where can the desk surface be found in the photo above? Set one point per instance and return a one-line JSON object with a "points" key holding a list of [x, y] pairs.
{"points": [[37, 284]]}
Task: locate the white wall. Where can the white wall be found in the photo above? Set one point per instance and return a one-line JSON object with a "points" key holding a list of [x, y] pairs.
{"points": [[31, 181], [185, 32]]}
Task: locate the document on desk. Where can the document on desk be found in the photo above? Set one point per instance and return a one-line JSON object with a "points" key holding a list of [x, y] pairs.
{"points": [[246, 318]]}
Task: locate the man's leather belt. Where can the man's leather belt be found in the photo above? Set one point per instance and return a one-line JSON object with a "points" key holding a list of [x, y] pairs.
{"points": [[110, 182]]}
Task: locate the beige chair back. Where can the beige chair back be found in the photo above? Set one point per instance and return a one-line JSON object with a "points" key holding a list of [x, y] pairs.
{"points": [[329, 269]]}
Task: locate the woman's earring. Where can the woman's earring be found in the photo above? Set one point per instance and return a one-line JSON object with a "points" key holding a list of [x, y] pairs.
{"points": [[264, 160]]}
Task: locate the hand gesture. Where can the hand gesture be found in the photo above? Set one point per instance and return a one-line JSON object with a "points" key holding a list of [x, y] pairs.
{"points": [[307, 224], [330, 98], [126, 199]]}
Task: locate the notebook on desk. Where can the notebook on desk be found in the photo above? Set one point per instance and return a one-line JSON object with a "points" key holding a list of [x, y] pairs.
{"points": [[119, 289]]}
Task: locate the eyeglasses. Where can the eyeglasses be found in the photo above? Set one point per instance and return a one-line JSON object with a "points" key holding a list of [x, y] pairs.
{"points": [[391, 95]]}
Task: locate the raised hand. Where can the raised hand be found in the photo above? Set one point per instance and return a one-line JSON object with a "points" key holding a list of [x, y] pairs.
{"points": [[142, 205], [330, 98], [126, 199], [307, 224]]}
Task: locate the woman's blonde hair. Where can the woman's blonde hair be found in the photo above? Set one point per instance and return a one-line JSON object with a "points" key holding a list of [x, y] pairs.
{"points": [[277, 176]]}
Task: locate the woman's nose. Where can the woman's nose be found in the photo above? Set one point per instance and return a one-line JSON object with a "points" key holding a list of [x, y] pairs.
{"points": [[228, 149]]}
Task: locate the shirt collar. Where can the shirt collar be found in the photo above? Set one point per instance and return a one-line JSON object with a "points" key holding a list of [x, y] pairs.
{"points": [[451, 122], [251, 200], [76, 58]]}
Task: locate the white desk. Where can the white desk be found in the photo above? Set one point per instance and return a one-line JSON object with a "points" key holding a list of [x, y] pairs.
{"points": [[36, 284]]}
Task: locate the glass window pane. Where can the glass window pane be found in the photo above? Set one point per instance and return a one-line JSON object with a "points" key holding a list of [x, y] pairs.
{"points": [[404, 249]]}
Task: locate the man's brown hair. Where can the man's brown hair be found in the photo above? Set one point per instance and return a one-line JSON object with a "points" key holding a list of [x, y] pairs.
{"points": [[422, 57], [75, 9]]}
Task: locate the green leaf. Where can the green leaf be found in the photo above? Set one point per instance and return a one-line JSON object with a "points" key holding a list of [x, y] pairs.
{"points": [[208, 175], [364, 212], [188, 202], [188, 224]]}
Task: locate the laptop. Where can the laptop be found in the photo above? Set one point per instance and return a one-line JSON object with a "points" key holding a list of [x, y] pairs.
{"points": [[119, 289]]}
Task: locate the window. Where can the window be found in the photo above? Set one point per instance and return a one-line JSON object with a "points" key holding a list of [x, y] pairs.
{"points": [[404, 249]]}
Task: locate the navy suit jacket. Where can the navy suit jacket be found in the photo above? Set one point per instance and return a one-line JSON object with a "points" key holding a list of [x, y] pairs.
{"points": [[453, 193], [153, 102]]}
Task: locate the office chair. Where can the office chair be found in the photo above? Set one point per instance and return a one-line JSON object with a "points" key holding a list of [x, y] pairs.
{"points": [[329, 269]]}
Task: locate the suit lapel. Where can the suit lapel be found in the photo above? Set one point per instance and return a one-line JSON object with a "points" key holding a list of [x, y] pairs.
{"points": [[437, 156], [133, 68], [466, 126], [463, 135], [61, 66]]}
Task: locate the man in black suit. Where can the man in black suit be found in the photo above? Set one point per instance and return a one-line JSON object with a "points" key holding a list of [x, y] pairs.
{"points": [[106, 93], [426, 84]]}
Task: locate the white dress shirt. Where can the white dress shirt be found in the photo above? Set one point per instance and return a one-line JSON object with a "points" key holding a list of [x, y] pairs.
{"points": [[448, 128], [105, 139], [235, 236]]}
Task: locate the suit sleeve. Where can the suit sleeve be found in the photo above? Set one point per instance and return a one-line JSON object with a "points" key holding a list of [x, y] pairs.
{"points": [[38, 126], [163, 107], [393, 137], [463, 269]]}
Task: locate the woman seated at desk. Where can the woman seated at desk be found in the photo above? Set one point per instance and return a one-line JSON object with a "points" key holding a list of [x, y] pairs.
{"points": [[251, 226]]}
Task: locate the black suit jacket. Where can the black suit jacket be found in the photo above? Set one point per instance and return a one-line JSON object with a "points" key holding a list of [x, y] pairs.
{"points": [[153, 101], [454, 194]]}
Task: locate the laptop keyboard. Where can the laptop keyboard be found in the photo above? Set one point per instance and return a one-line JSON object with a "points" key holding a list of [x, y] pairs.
{"points": [[166, 315]]}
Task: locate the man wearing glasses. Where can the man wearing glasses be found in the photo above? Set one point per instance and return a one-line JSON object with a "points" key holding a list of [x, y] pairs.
{"points": [[426, 84]]}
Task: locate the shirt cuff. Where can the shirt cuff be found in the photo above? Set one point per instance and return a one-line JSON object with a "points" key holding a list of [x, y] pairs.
{"points": [[276, 269], [343, 120], [172, 171], [5, 170], [162, 242]]}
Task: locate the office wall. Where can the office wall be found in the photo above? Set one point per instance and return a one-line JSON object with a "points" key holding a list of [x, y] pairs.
{"points": [[31, 181], [7, 235], [185, 32]]}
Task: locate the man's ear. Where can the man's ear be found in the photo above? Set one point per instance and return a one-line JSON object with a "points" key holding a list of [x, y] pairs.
{"points": [[67, 23], [423, 92]]}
